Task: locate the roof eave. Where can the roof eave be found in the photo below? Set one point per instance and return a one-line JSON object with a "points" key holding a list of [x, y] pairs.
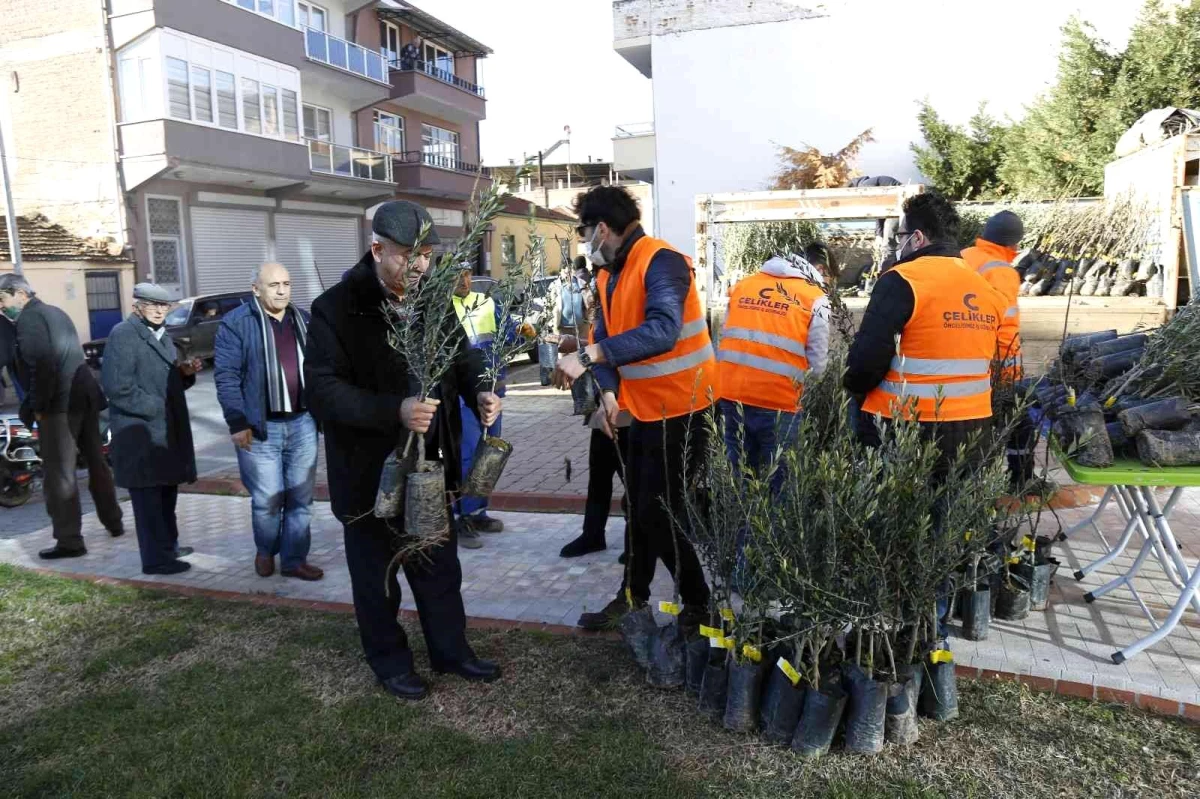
{"points": [[430, 26]]}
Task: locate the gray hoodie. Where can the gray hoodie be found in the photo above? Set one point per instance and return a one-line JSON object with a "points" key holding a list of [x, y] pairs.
{"points": [[817, 347]]}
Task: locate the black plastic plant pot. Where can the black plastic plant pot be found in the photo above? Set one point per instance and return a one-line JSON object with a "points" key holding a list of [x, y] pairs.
{"points": [[389, 499], [1169, 447], [1085, 429], [939, 692], [779, 707], [1167, 414], [1039, 578], [713, 687], [547, 359], [742, 692], [866, 711], [583, 394], [426, 516], [667, 668], [696, 655], [1013, 602], [491, 455], [640, 630], [976, 611], [900, 726], [819, 721]]}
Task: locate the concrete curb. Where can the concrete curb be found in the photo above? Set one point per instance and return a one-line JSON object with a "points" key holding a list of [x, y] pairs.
{"points": [[1098, 693]]}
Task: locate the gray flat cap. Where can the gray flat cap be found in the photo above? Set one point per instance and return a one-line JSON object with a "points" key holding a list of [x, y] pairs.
{"points": [[150, 292], [401, 221]]}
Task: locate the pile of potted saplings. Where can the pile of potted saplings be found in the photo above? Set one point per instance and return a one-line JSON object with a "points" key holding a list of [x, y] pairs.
{"points": [[832, 590]]}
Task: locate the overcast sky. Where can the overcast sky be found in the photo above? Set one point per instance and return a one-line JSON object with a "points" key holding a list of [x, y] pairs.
{"points": [[554, 62]]}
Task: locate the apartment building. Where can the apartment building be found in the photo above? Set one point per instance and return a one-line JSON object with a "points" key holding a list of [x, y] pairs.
{"points": [[252, 130]]}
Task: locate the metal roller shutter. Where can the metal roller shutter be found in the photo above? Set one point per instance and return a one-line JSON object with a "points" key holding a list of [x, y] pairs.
{"points": [[308, 245], [228, 244]]}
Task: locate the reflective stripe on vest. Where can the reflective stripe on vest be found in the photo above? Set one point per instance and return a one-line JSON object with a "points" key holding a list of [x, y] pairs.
{"points": [[990, 265], [970, 388], [477, 314], [794, 373], [677, 382], [762, 337], [940, 367], [1012, 311]]}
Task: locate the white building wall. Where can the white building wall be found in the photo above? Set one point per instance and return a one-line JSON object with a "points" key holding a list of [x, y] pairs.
{"points": [[343, 122]]}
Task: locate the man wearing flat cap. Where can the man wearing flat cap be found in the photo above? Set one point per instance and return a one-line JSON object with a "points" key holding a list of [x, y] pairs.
{"points": [[152, 449], [364, 395]]}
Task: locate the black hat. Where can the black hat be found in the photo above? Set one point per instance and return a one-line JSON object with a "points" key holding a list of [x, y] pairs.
{"points": [[1005, 229], [401, 221]]}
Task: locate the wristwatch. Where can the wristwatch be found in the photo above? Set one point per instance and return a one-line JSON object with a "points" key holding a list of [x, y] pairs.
{"points": [[584, 359]]}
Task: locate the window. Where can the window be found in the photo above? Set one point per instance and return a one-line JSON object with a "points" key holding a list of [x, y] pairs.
{"points": [[291, 115], [389, 38], [389, 133], [317, 123], [312, 16], [177, 89], [280, 10], [202, 94], [440, 147], [226, 100], [508, 249], [270, 101], [251, 115], [163, 222], [445, 217], [438, 58]]}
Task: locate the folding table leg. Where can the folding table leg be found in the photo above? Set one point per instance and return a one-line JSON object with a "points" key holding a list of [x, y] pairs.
{"points": [[1132, 520], [1109, 493], [1166, 537], [1186, 597], [1153, 526]]}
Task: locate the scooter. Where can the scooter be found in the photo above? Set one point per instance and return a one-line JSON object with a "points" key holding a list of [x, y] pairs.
{"points": [[20, 465]]}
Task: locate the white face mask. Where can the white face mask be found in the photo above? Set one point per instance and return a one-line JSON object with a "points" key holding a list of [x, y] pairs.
{"points": [[594, 251]]}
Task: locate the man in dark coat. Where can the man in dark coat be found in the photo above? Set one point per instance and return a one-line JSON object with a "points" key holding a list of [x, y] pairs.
{"points": [[366, 399], [8, 359], [151, 431], [66, 402]]}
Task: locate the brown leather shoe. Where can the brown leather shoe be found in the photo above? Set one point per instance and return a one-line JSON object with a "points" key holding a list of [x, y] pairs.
{"points": [[264, 566], [304, 572]]}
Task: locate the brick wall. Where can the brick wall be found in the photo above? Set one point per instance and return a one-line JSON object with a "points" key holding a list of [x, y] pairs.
{"points": [[57, 114]]}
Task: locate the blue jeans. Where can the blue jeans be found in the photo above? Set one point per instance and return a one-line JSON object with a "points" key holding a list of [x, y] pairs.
{"points": [[279, 474], [758, 432], [471, 433]]}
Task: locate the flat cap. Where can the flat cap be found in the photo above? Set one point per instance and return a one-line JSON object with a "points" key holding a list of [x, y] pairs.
{"points": [[401, 221], [150, 292]]}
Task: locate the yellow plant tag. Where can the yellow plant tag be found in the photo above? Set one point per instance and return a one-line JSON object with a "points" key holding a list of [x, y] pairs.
{"points": [[710, 632], [967, 535], [752, 652], [1029, 543], [670, 607], [1013, 561], [789, 670], [1111, 401], [721, 642], [941, 656], [1071, 397], [727, 614], [629, 596]]}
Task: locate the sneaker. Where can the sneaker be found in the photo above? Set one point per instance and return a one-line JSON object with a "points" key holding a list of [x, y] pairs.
{"points": [[482, 523], [467, 537], [609, 616]]}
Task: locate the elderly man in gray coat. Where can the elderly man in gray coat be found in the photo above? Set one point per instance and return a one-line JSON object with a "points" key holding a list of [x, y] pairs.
{"points": [[152, 434], [65, 401]]}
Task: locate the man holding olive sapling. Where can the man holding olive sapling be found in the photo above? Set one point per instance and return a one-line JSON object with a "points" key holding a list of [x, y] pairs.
{"points": [[365, 396]]}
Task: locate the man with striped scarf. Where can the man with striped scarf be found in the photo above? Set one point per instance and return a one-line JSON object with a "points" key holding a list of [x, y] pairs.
{"points": [[259, 372]]}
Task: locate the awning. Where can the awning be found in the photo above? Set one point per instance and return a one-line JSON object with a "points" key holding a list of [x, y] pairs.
{"points": [[430, 27]]}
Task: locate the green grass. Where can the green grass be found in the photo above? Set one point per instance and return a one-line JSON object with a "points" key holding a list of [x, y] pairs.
{"points": [[113, 691]]}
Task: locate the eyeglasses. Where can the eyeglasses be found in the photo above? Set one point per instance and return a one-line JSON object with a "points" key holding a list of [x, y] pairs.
{"points": [[907, 237], [154, 306]]}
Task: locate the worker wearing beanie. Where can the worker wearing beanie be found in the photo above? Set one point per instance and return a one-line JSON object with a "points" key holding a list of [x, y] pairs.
{"points": [[992, 258]]}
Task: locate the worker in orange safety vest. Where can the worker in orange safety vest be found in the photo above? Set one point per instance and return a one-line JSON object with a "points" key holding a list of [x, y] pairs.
{"points": [[652, 347]]}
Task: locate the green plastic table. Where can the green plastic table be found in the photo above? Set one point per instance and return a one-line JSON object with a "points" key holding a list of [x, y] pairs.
{"points": [[1131, 484]]}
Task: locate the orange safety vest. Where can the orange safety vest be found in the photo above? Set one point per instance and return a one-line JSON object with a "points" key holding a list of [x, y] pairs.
{"points": [[945, 355], [762, 352], [677, 382], [994, 262]]}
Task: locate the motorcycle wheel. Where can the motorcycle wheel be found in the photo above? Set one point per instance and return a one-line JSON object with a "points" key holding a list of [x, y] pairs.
{"points": [[14, 495]]}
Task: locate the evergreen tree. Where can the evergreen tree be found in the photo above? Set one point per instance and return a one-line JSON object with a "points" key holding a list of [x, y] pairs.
{"points": [[962, 163]]}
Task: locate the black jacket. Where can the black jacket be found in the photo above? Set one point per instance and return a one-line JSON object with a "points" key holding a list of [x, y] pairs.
{"points": [[52, 364], [355, 383]]}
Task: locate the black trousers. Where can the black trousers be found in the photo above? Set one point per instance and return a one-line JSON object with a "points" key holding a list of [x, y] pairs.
{"points": [[436, 581], [603, 463], [656, 465], [63, 436], [154, 518]]}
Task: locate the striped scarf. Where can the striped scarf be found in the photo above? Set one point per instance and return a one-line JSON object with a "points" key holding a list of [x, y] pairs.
{"points": [[277, 399]]}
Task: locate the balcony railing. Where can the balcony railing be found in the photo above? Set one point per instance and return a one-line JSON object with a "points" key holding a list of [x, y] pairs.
{"points": [[633, 129], [349, 162], [344, 55], [431, 69], [438, 160]]}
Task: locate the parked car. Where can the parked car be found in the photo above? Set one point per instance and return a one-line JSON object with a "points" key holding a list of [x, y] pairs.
{"points": [[542, 314], [192, 324]]}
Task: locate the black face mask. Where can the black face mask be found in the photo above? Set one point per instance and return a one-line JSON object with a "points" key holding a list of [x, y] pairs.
{"points": [[151, 325]]}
